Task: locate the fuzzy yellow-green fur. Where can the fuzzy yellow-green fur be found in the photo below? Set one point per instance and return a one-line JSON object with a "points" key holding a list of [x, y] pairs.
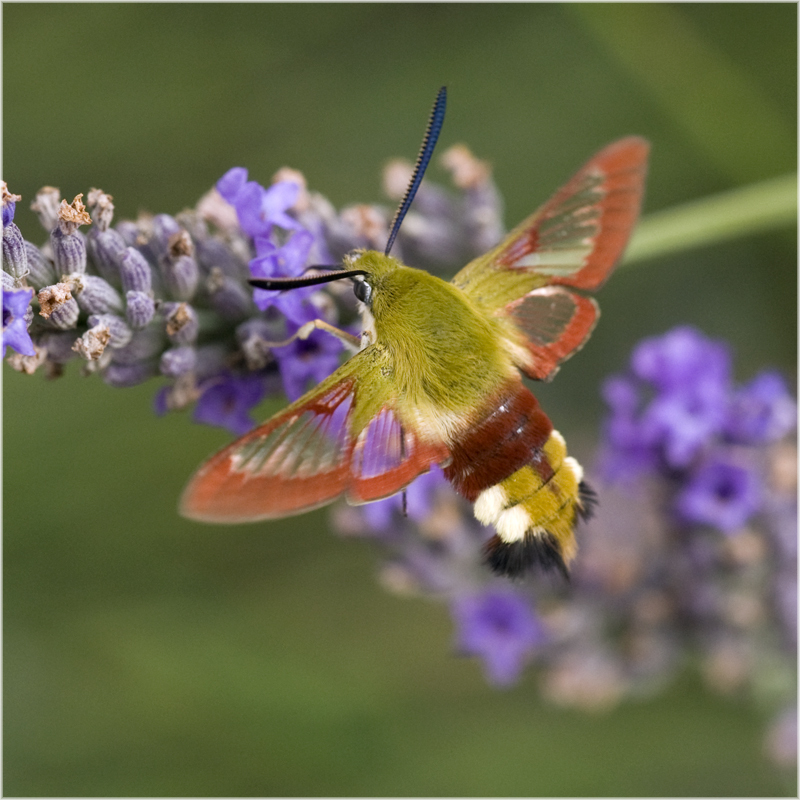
{"points": [[442, 353]]}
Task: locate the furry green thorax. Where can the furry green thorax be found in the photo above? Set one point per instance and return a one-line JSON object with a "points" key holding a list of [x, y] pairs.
{"points": [[443, 350]]}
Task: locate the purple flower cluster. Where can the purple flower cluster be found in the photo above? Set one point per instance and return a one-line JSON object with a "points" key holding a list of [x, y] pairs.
{"points": [[721, 461], [168, 296], [693, 562], [678, 414]]}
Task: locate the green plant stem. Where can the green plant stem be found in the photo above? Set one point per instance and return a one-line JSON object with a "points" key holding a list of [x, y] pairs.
{"points": [[757, 208]]}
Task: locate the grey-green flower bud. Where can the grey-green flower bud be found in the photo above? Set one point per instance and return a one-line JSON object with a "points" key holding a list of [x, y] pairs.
{"points": [[41, 271], [229, 298], [95, 295], [180, 276], [140, 309], [69, 251], [126, 375], [178, 361], [135, 272], [106, 248], [15, 257]]}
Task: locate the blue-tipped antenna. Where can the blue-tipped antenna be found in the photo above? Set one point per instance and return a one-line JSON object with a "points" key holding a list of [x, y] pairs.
{"points": [[425, 153]]}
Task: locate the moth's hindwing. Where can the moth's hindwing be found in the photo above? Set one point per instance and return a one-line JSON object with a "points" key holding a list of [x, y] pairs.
{"points": [[313, 452], [573, 240]]}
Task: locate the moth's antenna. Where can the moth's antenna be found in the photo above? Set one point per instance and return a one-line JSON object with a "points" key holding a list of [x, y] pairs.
{"points": [[425, 153]]}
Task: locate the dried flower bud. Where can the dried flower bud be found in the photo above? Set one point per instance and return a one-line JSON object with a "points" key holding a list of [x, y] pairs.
{"points": [[193, 225], [9, 202], [182, 322], [163, 228], [140, 309], [135, 272], [69, 250], [52, 297], [483, 206], [102, 208], [93, 343], [129, 231], [178, 361], [27, 364], [41, 271], [430, 201], [181, 394], [120, 333], [46, 207], [95, 295], [72, 215], [396, 177], [218, 211], [467, 172], [366, 223], [15, 257], [180, 244]]}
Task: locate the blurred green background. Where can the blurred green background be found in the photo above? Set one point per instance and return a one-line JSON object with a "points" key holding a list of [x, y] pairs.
{"points": [[146, 655]]}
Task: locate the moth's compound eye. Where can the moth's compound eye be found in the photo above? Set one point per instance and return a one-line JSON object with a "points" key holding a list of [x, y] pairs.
{"points": [[363, 292]]}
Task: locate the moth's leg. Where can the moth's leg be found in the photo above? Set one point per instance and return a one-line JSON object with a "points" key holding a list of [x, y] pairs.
{"points": [[353, 342]]}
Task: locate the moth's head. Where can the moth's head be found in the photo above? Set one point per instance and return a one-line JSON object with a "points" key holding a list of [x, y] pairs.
{"points": [[376, 270]]}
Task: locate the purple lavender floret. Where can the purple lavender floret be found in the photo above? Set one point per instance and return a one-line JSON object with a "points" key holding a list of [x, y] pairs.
{"points": [[15, 331], [761, 411], [721, 494], [681, 359], [500, 627], [419, 501], [9, 202], [258, 208], [287, 261], [670, 408], [228, 400], [305, 361]]}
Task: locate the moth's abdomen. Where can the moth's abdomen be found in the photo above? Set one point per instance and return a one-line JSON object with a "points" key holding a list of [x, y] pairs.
{"points": [[534, 512], [514, 467], [511, 430]]}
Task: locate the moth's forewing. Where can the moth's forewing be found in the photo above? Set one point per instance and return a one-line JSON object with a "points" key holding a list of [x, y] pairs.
{"points": [[317, 449], [574, 239]]}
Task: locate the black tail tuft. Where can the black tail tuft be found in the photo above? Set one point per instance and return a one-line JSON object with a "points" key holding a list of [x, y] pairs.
{"points": [[588, 501], [514, 559]]}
